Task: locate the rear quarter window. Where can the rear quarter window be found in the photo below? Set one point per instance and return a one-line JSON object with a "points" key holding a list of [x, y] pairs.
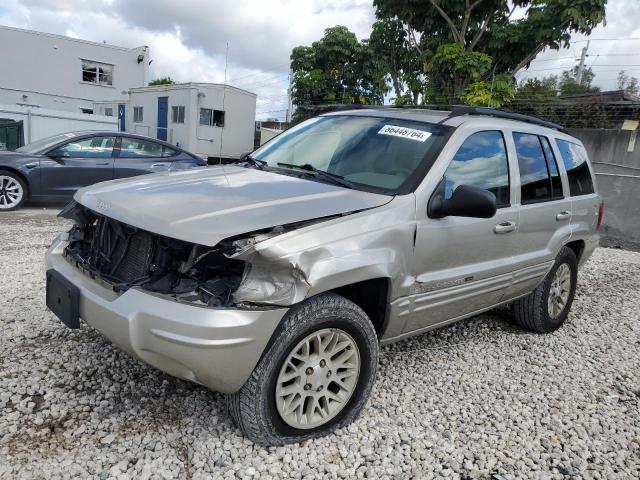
{"points": [[574, 158]]}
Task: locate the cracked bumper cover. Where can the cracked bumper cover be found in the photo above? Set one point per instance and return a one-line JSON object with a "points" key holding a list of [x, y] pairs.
{"points": [[216, 347]]}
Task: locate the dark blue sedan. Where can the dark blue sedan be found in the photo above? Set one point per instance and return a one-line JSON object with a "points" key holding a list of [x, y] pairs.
{"points": [[52, 169]]}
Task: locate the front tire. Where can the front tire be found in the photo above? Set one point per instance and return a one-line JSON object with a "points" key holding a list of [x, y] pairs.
{"points": [[13, 191], [314, 377], [546, 308]]}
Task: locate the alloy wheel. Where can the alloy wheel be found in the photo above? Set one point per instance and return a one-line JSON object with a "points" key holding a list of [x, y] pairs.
{"points": [[11, 192], [559, 291], [318, 378]]}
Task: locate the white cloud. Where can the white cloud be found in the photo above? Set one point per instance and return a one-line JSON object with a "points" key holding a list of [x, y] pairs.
{"points": [[188, 38]]}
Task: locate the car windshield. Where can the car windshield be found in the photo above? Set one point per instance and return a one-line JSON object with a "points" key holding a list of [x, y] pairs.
{"points": [[39, 146], [371, 153]]}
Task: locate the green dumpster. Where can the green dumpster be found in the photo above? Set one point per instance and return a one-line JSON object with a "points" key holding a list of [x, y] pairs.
{"points": [[11, 134]]}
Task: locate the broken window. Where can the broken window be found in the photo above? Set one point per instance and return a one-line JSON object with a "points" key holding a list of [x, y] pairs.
{"points": [[98, 73], [218, 118], [211, 118]]}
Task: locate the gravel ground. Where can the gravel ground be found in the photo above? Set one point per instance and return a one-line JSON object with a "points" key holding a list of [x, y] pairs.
{"points": [[468, 401]]}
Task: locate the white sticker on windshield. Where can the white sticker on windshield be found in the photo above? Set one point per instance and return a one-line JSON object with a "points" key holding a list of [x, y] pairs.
{"points": [[404, 132]]}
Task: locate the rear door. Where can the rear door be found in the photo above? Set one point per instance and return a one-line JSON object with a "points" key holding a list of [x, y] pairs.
{"points": [[76, 164], [545, 211], [137, 156], [585, 202], [463, 265]]}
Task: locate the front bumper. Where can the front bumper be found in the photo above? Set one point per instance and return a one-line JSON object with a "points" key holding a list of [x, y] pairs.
{"points": [[216, 347]]}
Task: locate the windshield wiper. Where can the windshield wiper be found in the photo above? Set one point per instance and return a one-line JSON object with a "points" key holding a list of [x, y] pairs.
{"points": [[260, 164], [310, 169]]}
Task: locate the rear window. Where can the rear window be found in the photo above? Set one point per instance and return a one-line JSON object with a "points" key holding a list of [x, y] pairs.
{"points": [[534, 174], [574, 158]]}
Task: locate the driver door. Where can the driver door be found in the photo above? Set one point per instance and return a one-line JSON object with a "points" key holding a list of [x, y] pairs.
{"points": [[77, 164], [463, 265]]}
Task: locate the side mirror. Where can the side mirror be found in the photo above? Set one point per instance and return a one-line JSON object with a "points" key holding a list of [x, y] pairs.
{"points": [[466, 201], [57, 154]]}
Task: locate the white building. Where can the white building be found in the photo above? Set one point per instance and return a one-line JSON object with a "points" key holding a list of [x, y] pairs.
{"points": [[210, 120], [61, 73]]}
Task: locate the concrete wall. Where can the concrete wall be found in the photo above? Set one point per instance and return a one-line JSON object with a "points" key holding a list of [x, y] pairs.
{"points": [[618, 176], [45, 70], [41, 123]]}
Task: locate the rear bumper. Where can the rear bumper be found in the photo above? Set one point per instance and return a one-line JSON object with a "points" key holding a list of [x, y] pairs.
{"points": [[218, 348]]}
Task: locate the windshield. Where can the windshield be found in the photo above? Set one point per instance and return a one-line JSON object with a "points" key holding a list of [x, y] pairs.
{"points": [[386, 155], [39, 146]]}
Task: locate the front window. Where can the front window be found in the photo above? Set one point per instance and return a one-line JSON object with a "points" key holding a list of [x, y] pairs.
{"points": [[94, 147], [481, 161], [98, 73], [387, 155], [137, 147]]}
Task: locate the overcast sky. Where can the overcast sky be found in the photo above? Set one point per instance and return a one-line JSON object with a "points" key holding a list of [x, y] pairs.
{"points": [[188, 37]]}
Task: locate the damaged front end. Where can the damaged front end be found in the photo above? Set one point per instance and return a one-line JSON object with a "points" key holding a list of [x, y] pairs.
{"points": [[122, 256]]}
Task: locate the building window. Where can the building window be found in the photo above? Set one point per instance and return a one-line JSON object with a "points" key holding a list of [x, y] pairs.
{"points": [[211, 118], [98, 73], [218, 118], [177, 114], [87, 110], [206, 116], [137, 114], [108, 111]]}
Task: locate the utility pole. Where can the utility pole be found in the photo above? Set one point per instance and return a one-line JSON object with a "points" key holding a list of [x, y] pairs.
{"points": [[581, 66], [289, 102]]}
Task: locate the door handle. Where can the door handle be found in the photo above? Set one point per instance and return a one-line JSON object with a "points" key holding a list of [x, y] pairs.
{"points": [[159, 165], [105, 163], [505, 227], [563, 215]]}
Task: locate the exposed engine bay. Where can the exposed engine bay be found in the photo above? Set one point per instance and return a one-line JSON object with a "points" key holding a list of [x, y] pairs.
{"points": [[123, 256]]}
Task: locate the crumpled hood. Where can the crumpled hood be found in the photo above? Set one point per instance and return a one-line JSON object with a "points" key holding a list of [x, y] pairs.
{"points": [[205, 206]]}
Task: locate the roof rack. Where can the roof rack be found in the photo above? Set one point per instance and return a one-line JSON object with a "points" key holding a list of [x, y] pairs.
{"points": [[492, 112]]}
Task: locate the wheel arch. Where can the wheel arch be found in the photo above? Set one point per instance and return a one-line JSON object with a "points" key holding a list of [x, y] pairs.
{"points": [[578, 247], [18, 173]]}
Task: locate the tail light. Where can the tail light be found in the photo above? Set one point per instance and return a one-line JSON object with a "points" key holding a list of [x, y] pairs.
{"points": [[600, 214]]}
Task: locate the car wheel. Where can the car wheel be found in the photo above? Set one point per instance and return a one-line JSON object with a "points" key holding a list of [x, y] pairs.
{"points": [[315, 375], [13, 191], [547, 307]]}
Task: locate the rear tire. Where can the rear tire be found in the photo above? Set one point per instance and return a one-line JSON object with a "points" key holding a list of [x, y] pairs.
{"points": [[546, 308], [264, 413], [13, 191]]}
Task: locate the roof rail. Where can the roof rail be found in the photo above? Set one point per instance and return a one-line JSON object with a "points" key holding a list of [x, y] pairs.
{"points": [[493, 112]]}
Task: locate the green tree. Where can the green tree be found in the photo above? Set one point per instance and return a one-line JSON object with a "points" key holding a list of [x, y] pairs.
{"points": [[534, 89], [394, 56], [568, 84], [337, 69], [627, 83], [486, 28], [162, 81]]}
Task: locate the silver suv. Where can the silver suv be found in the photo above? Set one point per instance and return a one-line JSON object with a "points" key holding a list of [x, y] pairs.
{"points": [[276, 279]]}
